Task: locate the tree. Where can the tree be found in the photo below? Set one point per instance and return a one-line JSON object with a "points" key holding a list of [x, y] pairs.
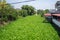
{"points": [[11, 12], [38, 11], [46, 10], [7, 12], [41, 12], [24, 13], [30, 9]]}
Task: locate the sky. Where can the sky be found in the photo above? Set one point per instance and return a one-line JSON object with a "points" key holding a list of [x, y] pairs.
{"points": [[37, 4]]}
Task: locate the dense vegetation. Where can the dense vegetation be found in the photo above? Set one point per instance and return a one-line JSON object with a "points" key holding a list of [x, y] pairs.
{"points": [[28, 28], [9, 13], [42, 12]]}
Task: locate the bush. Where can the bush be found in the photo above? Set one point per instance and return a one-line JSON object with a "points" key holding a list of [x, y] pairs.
{"points": [[24, 13], [8, 13]]}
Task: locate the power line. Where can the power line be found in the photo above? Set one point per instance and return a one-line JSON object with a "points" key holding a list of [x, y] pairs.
{"points": [[20, 2]]}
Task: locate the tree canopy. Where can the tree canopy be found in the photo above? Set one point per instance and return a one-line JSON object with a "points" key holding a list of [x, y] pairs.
{"points": [[30, 9]]}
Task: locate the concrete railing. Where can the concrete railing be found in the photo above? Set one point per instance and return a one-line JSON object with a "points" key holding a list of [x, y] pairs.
{"points": [[56, 22]]}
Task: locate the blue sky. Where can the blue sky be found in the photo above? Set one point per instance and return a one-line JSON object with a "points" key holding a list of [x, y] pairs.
{"points": [[38, 4]]}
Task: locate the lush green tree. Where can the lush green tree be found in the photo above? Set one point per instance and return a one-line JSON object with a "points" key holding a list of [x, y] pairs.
{"points": [[19, 12], [30, 9], [10, 10], [7, 12], [22, 13], [46, 11], [2, 5], [41, 12]]}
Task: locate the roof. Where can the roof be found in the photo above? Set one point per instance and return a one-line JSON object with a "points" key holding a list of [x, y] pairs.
{"points": [[47, 14], [56, 14]]}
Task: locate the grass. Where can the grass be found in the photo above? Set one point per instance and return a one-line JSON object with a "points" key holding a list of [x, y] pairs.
{"points": [[28, 28]]}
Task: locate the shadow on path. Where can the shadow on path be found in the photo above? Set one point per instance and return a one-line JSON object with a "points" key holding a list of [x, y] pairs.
{"points": [[46, 21], [56, 28]]}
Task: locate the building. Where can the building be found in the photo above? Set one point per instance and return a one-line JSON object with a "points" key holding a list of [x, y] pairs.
{"points": [[54, 16]]}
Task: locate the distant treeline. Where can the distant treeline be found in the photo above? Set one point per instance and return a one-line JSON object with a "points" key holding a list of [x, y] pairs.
{"points": [[42, 12]]}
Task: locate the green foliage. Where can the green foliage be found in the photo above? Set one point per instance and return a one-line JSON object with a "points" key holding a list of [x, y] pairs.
{"points": [[6, 11], [24, 13], [30, 9], [46, 11], [28, 28], [41, 12]]}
